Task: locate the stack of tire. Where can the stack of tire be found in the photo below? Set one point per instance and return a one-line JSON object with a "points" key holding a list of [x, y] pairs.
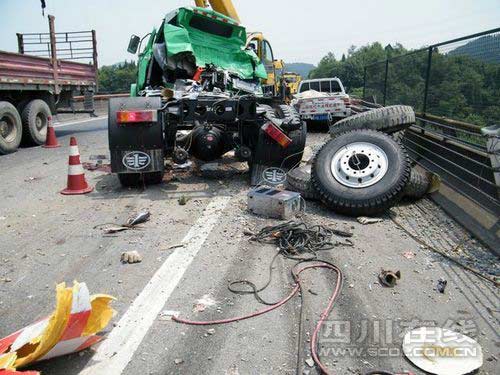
{"points": [[362, 169], [27, 122]]}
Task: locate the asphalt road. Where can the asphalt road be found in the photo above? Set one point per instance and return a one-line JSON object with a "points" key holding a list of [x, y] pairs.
{"points": [[47, 238]]}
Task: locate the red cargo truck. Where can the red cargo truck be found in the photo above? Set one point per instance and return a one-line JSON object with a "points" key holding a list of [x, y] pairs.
{"points": [[41, 80]]}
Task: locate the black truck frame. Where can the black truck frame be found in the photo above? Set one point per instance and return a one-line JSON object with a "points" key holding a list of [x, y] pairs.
{"points": [[144, 131]]}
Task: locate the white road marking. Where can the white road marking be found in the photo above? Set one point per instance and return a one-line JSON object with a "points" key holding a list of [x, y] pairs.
{"points": [[60, 125], [113, 355]]}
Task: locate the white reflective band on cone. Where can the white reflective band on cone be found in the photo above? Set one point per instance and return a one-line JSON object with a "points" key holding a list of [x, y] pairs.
{"points": [[75, 170], [73, 151]]}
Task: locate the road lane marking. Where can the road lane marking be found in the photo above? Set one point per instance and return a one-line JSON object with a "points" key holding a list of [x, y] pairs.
{"points": [[116, 351], [60, 125]]}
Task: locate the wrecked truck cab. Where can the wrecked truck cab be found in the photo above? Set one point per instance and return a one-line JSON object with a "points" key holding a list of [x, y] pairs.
{"points": [[199, 94], [192, 38]]}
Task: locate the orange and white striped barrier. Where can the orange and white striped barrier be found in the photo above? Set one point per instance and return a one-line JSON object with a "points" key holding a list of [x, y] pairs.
{"points": [[72, 327], [77, 184]]}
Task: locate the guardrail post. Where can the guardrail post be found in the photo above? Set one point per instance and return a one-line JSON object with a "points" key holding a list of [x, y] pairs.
{"points": [[385, 79], [427, 78], [364, 82], [20, 43]]}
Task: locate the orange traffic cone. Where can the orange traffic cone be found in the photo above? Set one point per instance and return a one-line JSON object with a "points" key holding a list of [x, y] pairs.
{"points": [[51, 140], [76, 178]]}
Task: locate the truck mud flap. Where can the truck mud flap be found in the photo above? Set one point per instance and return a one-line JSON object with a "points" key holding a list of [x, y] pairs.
{"points": [[135, 147], [269, 153]]}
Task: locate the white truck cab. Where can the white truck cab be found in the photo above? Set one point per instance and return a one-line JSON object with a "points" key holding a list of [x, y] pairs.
{"points": [[322, 99]]}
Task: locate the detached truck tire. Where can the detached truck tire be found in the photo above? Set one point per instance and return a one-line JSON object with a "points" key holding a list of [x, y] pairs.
{"points": [[362, 172], [35, 117], [11, 129], [386, 119]]}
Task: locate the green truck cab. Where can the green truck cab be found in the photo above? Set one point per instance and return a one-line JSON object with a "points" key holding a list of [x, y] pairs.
{"points": [[199, 94]]}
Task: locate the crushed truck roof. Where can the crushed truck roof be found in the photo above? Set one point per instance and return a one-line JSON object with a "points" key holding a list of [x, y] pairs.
{"points": [[212, 38]]}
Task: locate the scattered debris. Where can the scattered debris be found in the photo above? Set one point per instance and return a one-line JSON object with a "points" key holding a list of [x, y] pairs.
{"points": [[175, 246], [310, 362], [441, 285], [183, 200], [167, 315], [203, 303], [273, 203], [131, 222], [369, 220], [131, 257], [32, 179], [112, 230], [442, 351], [100, 167], [140, 218], [71, 327], [389, 278], [409, 254]]}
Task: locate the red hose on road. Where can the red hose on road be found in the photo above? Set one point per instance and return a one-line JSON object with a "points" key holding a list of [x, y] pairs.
{"points": [[295, 290]]}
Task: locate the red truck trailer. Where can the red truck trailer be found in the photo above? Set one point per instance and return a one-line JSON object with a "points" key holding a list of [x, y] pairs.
{"points": [[41, 80]]}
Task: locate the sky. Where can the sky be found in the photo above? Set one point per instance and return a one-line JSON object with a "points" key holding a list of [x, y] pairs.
{"points": [[299, 31]]}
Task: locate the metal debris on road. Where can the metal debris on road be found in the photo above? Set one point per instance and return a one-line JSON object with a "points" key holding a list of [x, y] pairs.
{"points": [[72, 327], [441, 285], [140, 218], [131, 222], [369, 220], [389, 278], [273, 203], [131, 257]]}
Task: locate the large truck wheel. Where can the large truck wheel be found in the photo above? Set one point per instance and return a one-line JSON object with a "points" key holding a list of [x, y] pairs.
{"points": [[35, 118], [140, 179], [386, 119], [362, 172], [11, 129]]}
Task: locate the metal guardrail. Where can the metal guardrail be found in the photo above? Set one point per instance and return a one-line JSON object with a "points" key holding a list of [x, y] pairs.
{"points": [[457, 79], [453, 88], [459, 156]]}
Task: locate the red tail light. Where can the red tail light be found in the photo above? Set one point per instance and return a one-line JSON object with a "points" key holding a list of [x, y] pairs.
{"points": [[277, 134], [124, 117], [347, 101]]}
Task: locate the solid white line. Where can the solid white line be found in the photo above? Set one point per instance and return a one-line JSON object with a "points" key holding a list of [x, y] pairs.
{"points": [[60, 125], [113, 355]]}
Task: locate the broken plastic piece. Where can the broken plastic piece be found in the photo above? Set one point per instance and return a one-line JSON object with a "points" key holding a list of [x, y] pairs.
{"points": [[72, 327], [369, 220]]}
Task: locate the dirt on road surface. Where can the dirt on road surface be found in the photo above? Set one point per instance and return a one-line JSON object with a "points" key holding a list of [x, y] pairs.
{"points": [[191, 252]]}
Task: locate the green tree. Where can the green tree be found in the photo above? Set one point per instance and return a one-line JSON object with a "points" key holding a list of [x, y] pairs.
{"points": [[117, 78]]}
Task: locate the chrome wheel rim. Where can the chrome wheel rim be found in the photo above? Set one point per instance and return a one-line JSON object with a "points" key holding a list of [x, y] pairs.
{"points": [[359, 165]]}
